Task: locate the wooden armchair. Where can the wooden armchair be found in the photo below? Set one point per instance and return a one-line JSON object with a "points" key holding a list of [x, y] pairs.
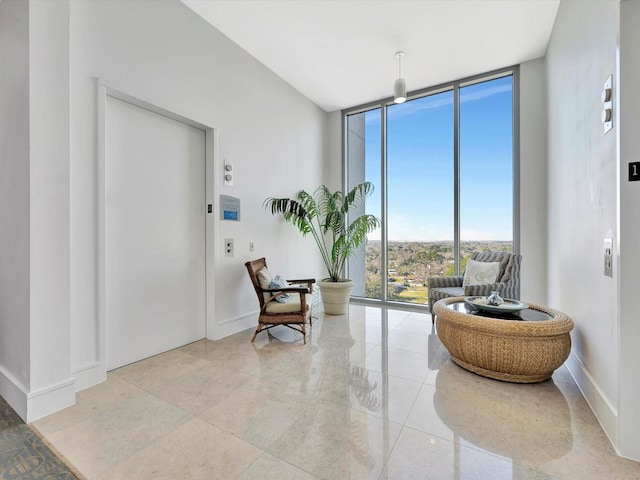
{"points": [[294, 313]]}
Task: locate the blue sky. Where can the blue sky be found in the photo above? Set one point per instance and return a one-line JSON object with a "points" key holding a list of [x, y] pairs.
{"points": [[420, 164]]}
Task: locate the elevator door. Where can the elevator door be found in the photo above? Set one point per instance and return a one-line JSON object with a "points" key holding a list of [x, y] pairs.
{"points": [[154, 233]]}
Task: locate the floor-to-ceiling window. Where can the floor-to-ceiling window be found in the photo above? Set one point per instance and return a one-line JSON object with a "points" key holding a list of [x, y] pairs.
{"points": [[486, 166], [443, 164]]}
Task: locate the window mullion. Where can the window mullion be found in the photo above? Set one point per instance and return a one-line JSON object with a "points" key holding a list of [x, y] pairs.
{"points": [[456, 178], [384, 287]]}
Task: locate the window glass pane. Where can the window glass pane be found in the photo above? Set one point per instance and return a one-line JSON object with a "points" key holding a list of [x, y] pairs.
{"points": [[486, 167], [419, 194], [364, 164]]}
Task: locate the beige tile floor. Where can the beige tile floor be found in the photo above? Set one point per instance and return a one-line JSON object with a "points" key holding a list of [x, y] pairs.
{"points": [[373, 395]]}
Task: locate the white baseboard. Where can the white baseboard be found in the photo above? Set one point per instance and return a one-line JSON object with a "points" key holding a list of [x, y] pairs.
{"points": [[603, 409], [31, 406], [88, 376], [14, 393], [233, 325], [46, 401]]}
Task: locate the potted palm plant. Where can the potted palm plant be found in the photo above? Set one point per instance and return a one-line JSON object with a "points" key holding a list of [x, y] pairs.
{"points": [[324, 215]]}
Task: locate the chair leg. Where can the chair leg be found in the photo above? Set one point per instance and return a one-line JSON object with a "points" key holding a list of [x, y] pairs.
{"points": [[258, 330], [433, 318]]}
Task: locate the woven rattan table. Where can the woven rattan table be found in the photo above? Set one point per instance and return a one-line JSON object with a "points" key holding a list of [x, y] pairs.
{"points": [[524, 348]]}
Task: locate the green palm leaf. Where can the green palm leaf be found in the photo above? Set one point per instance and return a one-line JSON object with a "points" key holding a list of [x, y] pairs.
{"points": [[325, 215]]}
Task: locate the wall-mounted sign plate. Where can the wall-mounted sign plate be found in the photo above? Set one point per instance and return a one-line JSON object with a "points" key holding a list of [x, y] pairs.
{"points": [[229, 208], [634, 171]]}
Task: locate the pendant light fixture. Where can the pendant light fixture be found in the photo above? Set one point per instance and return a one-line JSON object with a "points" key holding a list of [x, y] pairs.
{"points": [[399, 87]]}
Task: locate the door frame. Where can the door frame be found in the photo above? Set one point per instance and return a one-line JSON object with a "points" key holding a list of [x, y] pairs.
{"points": [[211, 157]]}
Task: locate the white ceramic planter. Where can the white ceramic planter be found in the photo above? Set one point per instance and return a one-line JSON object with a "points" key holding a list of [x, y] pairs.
{"points": [[335, 296]]}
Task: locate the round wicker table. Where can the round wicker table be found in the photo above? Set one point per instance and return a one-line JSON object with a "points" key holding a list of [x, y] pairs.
{"points": [[523, 347]]}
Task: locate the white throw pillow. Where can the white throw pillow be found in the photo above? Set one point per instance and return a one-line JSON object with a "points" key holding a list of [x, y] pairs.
{"points": [[264, 278], [480, 273]]}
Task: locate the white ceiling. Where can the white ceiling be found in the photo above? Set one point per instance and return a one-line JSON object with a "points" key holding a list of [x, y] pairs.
{"points": [[340, 53]]}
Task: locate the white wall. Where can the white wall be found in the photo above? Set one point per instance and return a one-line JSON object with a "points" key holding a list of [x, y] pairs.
{"points": [[161, 53], [164, 54], [34, 288], [14, 202], [333, 169], [582, 197], [628, 264], [51, 385], [533, 181]]}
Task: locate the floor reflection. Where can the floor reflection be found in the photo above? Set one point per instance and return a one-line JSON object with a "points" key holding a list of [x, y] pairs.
{"points": [[372, 395], [521, 422]]}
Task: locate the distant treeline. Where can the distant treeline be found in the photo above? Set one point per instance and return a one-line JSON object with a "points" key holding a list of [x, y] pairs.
{"points": [[410, 264]]}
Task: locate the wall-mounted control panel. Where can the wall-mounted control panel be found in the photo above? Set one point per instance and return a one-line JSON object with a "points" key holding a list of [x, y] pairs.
{"points": [[608, 257], [229, 208], [607, 104]]}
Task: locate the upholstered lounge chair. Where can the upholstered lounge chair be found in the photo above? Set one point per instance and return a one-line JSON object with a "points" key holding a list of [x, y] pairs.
{"points": [[508, 280], [293, 313]]}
